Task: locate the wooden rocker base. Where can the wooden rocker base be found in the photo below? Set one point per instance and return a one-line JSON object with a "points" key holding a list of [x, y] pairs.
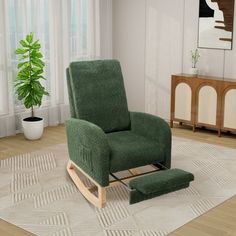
{"points": [[98, 201], [88, 192]]}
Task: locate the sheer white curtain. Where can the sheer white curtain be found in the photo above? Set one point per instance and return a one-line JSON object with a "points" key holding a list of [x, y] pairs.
{"points": [[68, 30]]}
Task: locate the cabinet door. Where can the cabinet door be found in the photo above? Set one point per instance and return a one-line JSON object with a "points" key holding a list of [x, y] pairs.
{"points": [[207, 105], [230, 109], [183, 98]]}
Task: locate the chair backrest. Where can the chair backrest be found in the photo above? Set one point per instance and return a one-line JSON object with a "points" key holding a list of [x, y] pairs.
{"points": [[97, 94]]}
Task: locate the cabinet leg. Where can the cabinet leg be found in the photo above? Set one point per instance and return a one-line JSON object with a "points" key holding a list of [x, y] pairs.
{"points": [[180, 123], [171, 124], [219, 133], [194, 128]]}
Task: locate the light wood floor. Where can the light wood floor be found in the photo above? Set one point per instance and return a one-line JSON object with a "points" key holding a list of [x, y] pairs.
{"points": [[220, 221], [7, 229]]}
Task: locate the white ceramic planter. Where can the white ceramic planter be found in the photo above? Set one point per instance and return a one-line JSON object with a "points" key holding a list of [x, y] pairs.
{"points": [[193, 71], [33, 129]]}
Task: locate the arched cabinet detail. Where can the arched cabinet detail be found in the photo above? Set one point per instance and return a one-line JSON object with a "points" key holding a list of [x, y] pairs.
{"points": [[229, 106], [204, 101], [183, 98], [207, 105]]}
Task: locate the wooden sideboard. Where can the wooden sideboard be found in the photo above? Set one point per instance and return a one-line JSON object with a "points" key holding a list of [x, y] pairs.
{"points": [[204, 101]]}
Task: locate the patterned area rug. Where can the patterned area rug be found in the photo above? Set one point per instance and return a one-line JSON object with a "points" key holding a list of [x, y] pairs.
{"points": [[37, 194]]}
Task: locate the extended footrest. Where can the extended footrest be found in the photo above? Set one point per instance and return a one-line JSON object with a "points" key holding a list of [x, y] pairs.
{"points": [[161, 182]]}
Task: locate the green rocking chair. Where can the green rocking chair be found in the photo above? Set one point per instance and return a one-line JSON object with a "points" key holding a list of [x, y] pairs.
{"points": [[104, 137]]}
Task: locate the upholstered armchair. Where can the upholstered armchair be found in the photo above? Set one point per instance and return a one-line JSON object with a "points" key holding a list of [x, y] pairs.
{"points": [[103, 136]]}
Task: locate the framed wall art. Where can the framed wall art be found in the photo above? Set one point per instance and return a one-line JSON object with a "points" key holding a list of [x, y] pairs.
{"points": [[216, 19]]}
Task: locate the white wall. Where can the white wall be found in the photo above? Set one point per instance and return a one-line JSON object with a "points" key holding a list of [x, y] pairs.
{"points": [[164, 37], [158, 35], [129, 47]]}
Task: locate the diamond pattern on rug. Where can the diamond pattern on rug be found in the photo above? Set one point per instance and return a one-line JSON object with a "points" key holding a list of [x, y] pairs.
{"points": [[188, 192], [23, 180], [64, 232], [212, 169], [134, 232], [153, 233], [41, 163], [201, 206], [224, 181], [58, 219], [119, 232], [17, 197], [56, 194]]}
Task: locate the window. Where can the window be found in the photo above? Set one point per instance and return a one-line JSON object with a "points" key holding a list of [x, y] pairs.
{"points": [[46, 19]]}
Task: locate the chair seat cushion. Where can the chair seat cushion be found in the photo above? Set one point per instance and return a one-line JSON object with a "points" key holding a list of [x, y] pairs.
{"points": [[129, 150]]}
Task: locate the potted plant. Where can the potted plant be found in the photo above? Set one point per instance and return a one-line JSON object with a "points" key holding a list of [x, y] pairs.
{"points": [[195, 55], [28, 86]]}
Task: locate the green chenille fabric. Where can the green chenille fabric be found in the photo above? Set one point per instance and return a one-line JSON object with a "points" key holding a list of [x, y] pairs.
{"points": [[153, 128], [129, 150], [98, 93], [71, 100], [89, 149], [136, 196], [163, 180]]}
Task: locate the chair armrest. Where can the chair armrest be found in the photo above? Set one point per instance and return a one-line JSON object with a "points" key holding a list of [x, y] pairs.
{"points": [[88, 148], [155, 128]]}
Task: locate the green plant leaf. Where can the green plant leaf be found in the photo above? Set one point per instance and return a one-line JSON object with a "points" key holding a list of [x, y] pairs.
{"points": [[25, 63], [28, 102], [21, 51], [24, 43], [39, 55], [22, 91], [22, 78], [36, 45], [23, 73], [37, 70], [24, 57], [29, 38], [38, 62], [36, 54]]}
